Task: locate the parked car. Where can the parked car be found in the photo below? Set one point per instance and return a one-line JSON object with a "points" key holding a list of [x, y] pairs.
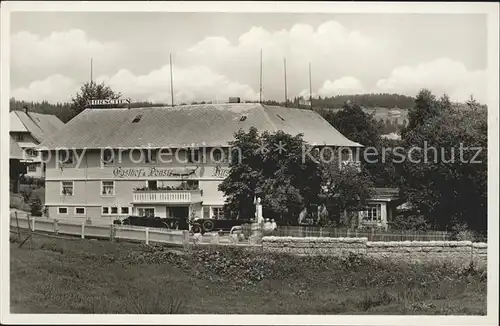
{"points": [[203, 225], [154, 222]]}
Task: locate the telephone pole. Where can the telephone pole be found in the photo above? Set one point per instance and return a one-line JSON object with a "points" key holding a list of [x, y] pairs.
{"points": [[260, 98], [91, 81], [310, 87], [286, 95], [171, 81]]}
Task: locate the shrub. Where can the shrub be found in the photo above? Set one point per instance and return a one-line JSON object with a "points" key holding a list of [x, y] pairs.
{"points": [[410, 221], [461, 232], [26, 193], [36, 206], [17, 202]]}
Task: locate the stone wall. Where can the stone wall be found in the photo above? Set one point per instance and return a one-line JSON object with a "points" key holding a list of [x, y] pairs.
{"points": [[315, 245], [456, 252]]}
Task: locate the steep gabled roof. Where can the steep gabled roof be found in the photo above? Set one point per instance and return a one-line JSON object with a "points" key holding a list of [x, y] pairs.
{"points": [[203, 125], [15, 151], [40, 126]]}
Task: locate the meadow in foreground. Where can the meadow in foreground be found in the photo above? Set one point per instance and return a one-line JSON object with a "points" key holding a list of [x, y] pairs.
{"points": [[90, 276]]}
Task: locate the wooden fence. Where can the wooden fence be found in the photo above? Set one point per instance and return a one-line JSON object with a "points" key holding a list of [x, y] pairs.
{"points": [[372, 235], [83, 230], [146, 234]]}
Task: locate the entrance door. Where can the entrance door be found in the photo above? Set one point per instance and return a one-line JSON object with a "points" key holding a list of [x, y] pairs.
{"points": [[181, 213]]}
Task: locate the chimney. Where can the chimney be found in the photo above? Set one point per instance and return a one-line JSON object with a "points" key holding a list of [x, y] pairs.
{"points": [[26, 109]]}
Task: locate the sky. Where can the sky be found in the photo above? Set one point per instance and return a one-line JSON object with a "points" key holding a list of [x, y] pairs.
{"points": [[217, 55]]}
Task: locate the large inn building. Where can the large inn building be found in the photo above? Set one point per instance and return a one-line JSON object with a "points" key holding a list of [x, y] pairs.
{"points": [[104, 177]]}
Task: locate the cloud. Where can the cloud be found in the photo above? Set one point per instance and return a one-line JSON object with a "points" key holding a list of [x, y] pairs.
{"points": [[343, 60], [53, 89], [195, 83], [333, 50], [68, 51], [346, 85], [442, 75], [343, 86], [190, 84]]}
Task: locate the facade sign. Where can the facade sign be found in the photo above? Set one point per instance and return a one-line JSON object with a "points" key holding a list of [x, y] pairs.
{"points": [[221, 172], [110, 102], [218, 172], [151, 172]]}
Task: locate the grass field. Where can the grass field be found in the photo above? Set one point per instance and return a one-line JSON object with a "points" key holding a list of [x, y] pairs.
{"points": [[90, 276]]}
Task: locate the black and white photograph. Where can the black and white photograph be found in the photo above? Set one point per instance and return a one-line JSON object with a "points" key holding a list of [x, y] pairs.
{"points": [[249, 162]]}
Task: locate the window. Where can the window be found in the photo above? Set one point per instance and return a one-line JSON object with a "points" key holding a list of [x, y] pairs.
{"points": [[193, 155], [19, 137], [217, 213], [346, 154], [31, 152], [107, 188], [372, 213], [114, 210], [206, 212], [218, 155], [193, 184], [66, 157], [150, 157], [62, 210], [152, 185], [125, 210], [32, 168], [67, 188], [105, 210], [146, 212], [79, 210], [108, 157]]}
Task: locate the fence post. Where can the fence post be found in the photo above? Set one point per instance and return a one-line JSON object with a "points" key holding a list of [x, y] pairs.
{"points": [[56, 227], [18, 231], [83, 230], [147, 236], [32, 223], [185, 239], [111, 232]]}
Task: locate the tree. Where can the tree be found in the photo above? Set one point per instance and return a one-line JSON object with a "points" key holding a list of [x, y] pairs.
{"points": [[425, 108], [355, 124], [344, 191], [92, 91], [270, 166], [358, 126], [446, 188]]}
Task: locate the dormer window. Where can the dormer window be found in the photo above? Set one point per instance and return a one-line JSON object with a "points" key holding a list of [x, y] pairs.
{"points": [[137, 118]]}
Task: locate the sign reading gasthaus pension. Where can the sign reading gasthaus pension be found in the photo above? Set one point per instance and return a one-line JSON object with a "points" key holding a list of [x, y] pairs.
{"points": [[148, 172]]}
